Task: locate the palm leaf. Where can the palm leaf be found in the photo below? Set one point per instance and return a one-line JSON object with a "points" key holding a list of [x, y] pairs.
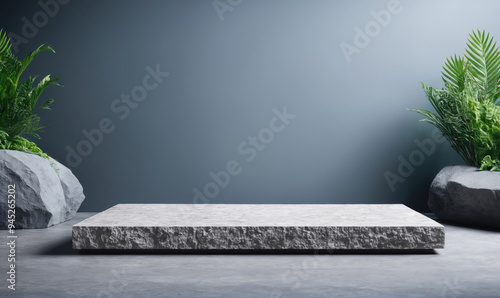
{"points": [[28, 58], [484, 57], [18, 98], [4, 44], [454, 71], [44, 83], [465, 112]]}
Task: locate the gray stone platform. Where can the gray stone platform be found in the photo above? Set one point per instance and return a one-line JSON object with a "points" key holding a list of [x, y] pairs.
{"points": [[270, 226]]}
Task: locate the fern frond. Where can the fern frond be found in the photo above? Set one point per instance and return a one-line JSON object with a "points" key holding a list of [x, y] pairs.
{"points": [[467, 112], [18, 98]]}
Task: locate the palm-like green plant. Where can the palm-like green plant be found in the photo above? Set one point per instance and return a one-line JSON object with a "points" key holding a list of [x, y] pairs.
{"points": [[467, 111], [18, 99]]}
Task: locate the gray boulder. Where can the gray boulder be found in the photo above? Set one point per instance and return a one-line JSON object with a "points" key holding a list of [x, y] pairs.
{"points": [[46, 192], [465, 195]]}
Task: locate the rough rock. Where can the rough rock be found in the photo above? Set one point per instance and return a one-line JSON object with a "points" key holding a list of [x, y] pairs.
{"points": [[258, 226], [46, 192], [465, 195]]}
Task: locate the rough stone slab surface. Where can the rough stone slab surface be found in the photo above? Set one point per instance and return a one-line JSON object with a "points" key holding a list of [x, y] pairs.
{"points": [[46, 192], [270, 226], [465, 195]]}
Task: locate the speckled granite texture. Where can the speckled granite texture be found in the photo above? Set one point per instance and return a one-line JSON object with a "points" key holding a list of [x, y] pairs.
{"points": [[272, 226]]}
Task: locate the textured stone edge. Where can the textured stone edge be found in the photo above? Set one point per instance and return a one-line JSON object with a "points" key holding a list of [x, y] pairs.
{"points": [[451, 200], [37, 218], [231, 238]]}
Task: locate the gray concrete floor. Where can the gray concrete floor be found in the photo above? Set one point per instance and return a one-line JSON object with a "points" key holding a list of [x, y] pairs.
{"points": [[46, 265]]}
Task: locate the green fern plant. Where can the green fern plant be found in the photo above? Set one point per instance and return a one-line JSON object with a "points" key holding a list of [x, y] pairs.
{"points": [[467, 112], [18, 99]]}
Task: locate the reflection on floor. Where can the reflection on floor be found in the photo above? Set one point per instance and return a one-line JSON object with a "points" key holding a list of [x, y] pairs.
{"points": [[46, 264]]}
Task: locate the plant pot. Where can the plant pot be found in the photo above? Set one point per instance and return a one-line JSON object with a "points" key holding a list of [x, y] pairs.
{"points": [[42, 191], [467, 196]]}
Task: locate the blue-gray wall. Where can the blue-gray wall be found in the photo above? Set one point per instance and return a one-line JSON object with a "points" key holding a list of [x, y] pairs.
{"points": [[233, 66]]}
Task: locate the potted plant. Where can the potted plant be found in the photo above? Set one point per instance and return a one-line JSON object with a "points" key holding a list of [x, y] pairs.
{"points": [[41, 191], [467, 113]]}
